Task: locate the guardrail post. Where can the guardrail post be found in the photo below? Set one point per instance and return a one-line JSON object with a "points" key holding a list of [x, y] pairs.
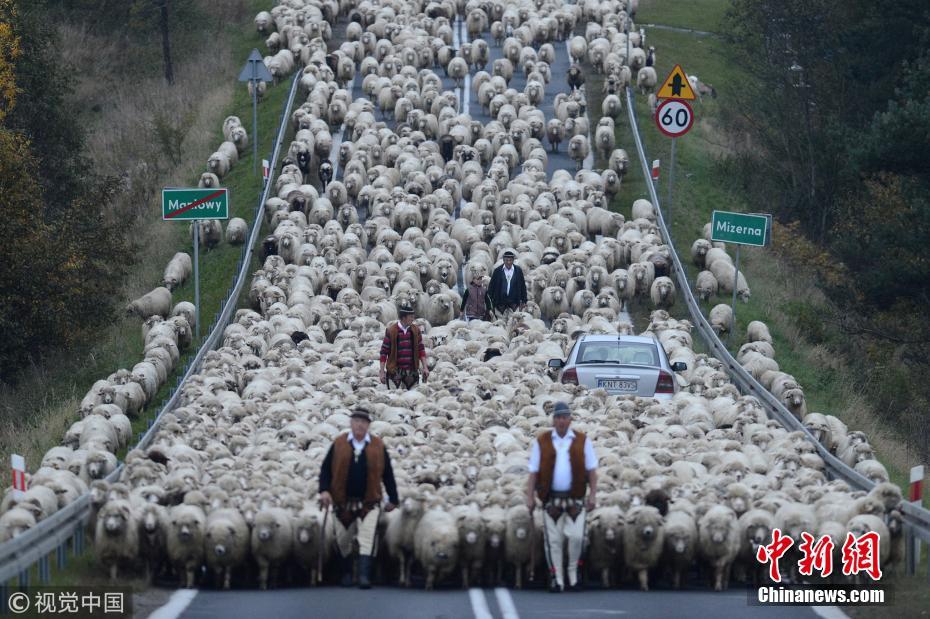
{"points": [[24, 578], [4, 595], [79, 539], [62, 555], [44, 571]]}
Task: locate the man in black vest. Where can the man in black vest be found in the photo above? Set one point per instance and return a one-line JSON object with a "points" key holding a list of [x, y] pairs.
{"points": [[350, 480], [562, 463], [507, 289]]}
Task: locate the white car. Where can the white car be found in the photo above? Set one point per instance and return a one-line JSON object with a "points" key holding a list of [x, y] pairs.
{"points": [[621, 364]]}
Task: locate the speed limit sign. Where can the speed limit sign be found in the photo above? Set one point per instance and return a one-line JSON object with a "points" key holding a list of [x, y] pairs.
{"points": [[674, 117]]}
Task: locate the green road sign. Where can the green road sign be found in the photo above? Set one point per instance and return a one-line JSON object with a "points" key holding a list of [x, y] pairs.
{"points": [[188, 204], [741, 228]]}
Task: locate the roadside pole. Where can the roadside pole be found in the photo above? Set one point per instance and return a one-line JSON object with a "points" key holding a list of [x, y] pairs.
{"points": [[194, 205], [196, 281], [740, 229], [671, 180], [254, 72], [733, 302]]}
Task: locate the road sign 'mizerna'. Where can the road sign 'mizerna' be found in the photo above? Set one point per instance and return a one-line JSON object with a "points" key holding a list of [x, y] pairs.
{"points": [[676, 86], [187, 204], [740, 228]]}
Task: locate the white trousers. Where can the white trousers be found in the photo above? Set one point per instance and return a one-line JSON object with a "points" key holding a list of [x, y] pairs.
{"points": [[363, 530], [558, 532]]}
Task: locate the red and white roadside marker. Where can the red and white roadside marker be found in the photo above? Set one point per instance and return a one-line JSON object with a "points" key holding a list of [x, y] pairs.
{"points": [[266, 169], [18, 464], [917, 484], [655, 170], [916, 496]]}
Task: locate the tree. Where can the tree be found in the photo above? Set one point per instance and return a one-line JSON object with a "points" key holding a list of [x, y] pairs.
{"points": [[9, 52], [42, 113]]}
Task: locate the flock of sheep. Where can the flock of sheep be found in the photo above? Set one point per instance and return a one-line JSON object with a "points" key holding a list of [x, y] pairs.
{"points": [[229, 483]]}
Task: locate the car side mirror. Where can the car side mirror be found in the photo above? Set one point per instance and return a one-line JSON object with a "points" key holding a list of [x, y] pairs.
{"points": [[556, 363], [679, 366]]}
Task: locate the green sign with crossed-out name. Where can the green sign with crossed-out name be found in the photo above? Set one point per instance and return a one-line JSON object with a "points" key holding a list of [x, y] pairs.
{"points": [[741, 228], [188, 204]]}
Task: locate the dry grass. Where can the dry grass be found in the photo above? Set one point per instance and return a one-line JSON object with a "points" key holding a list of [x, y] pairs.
{"points": [[779, 283], [120, 106]]}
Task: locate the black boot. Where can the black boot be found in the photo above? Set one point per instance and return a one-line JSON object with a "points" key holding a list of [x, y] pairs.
{"points": [[364, 572], [347, 565]]}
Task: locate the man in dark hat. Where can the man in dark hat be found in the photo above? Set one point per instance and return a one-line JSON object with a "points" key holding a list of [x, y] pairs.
{"points": [[507, 289], [562, 464], [403, 356], [350, 480]]}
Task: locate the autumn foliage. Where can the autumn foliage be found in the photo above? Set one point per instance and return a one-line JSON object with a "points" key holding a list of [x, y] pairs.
{"points": [[63, 256]]}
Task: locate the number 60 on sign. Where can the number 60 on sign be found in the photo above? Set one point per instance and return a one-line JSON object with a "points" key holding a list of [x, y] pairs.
{"points": [[674, 117]]}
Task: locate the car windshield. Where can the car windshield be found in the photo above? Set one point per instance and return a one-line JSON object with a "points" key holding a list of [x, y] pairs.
{"points": [[631, 353]]}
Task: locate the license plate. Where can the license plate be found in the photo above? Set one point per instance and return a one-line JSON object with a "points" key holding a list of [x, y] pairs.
{"points": [[617, 385]]}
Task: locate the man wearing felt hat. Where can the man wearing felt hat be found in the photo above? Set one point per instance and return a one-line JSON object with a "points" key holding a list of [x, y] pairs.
{"points": [[403, 356], [562, 465], [507, 289], [356, 465]]}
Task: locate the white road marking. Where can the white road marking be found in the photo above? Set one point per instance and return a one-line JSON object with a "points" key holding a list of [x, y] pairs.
{"points": [[479, 604], [466, 92], [508, 609], [178, 603], [829, 612]]}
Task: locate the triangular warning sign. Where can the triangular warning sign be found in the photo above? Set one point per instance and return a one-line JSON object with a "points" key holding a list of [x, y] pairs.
{"points": [[676, 86]]}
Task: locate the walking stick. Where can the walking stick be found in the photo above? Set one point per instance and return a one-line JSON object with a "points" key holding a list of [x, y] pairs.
{"points": [[532, 545], [319, 558]]}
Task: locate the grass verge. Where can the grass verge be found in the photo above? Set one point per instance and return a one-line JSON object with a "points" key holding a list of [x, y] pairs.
{"points": [[36, 414], [784, 294]]}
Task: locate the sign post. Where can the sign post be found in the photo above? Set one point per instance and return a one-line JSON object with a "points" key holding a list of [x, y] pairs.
{"points": [[255, 71], [194, 205], [740, 229], [674, 117], [916, 497]]}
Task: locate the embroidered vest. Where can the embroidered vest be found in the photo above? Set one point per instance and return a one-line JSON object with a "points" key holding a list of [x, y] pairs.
{"points": [[547, 466], [342, 457]]}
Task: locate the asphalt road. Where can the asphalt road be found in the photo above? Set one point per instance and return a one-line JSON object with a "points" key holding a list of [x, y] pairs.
{"points": [[394, 603]]}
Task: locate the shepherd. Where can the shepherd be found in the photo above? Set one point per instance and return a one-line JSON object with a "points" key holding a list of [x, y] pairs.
{"points": [[562, 465], [356, 465]]}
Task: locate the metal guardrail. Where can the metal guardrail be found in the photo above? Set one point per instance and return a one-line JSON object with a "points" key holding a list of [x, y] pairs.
{"points": [[917, 519], [17, 556]]}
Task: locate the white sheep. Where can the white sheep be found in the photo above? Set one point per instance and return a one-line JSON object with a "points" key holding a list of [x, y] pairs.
{"points": [[184, 541], [236, 231], [158, 301], [177, 271], [226, 543], [272, 542], [436, 541], [662, 292], [606, 542], [643, 540], [719, 542], [757, 331], [705, 285], [721, 318], [681, 540], [116, 539], [518, 541]]}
